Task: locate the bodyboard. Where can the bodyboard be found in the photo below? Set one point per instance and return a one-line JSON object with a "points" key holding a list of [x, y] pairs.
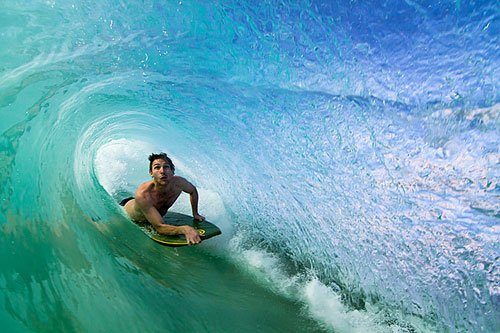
{"points": [[205, 229]]}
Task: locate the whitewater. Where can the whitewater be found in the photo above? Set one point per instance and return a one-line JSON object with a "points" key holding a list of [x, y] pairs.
{"points": [[348, 150]]}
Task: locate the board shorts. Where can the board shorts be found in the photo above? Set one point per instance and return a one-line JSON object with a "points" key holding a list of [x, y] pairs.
{"points": [[124, 201]]}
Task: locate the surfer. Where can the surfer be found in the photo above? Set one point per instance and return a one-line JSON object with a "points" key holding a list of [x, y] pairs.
{"points": [[153, 199]]}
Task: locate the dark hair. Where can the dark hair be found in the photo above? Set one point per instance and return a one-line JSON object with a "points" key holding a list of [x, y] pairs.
{"points": [[160, 156]]}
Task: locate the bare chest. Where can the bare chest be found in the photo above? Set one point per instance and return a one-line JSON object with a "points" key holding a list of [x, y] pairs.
{"points": [[164, 200]]}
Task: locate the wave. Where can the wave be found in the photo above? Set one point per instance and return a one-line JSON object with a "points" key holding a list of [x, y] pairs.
{"points": [[360, 151]]}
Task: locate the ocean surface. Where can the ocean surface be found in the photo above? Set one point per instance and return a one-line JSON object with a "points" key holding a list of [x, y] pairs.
{"points": [[349, 151]]}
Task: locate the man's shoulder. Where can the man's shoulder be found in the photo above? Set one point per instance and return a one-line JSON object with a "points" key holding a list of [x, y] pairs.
{"points": [[146, 185], [178, 178], [144, 189]]}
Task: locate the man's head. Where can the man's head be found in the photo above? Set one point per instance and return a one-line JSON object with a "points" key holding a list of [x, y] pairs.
{"points": [[160, 156]]}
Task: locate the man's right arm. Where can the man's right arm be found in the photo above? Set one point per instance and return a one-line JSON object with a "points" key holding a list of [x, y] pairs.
{"points": [[154, 217]]}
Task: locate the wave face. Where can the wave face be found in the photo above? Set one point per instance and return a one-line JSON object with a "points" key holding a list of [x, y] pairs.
{"points": [[358, 143]]}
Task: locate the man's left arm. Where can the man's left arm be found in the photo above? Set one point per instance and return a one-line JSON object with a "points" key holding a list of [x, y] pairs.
{"points": [[189, 188]]}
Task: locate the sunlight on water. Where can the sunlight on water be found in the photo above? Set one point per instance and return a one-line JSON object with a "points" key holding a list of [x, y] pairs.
{"points": [[348, 151]]}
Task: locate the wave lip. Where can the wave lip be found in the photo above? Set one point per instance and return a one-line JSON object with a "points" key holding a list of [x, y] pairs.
{"points": [[376, 146]]}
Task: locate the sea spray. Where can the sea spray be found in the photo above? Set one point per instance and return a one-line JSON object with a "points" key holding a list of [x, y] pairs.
{"points": [[357, 144]]}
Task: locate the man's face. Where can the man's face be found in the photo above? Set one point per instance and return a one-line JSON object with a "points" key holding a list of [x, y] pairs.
{"points": [[161, 171]]}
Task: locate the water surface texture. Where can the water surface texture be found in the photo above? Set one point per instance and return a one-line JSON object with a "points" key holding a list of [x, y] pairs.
{"points": [[348, 150]]}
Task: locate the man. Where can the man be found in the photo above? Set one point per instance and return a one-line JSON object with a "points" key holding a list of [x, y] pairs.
{"points": [[154, 198]]}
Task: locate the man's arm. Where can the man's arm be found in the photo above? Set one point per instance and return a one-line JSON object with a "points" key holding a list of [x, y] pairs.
{"points": [[154, 217], [193, 197]]}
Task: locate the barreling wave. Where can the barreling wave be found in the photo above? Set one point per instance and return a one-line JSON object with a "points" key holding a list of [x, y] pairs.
{"points": [[357, 144]]}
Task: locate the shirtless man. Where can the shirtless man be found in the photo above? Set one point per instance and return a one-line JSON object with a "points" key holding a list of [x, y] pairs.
{"points": [[154, 198]]}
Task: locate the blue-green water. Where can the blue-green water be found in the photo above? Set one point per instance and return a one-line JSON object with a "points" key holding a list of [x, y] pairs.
{"points": [[349, 152]]}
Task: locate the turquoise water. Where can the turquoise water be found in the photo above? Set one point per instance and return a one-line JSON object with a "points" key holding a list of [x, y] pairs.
{"points": [[349, 153]]}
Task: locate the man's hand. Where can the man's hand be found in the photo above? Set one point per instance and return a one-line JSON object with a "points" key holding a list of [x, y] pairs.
{"points": [[198, 217], [192, 236]]}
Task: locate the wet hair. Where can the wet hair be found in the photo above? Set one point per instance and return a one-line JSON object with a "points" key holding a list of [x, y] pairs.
{"points": [[160, 156]]}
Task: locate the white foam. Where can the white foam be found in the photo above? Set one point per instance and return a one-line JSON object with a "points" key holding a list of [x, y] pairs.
{"points": [[325, 305], [267, 267], [322, 303], [121, 165]]}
